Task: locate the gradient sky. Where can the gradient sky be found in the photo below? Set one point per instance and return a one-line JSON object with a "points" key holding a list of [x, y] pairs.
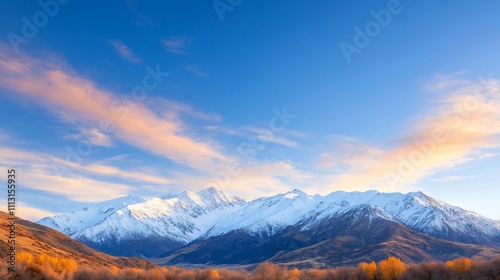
{"points": [[104, 99]]}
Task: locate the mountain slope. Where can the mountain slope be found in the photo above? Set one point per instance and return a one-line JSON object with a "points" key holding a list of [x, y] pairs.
{"points": [[36, 239], [363, 233]]}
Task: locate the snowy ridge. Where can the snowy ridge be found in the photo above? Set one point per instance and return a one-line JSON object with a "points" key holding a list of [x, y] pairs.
{"points": [[182, 217], [73, 223], [187, 216], [418, 211], [266, 216]]}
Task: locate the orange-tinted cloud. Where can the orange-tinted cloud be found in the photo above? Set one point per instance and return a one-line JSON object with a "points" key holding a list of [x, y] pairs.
{"points": [[39, 171], [465, 122], [77, 99]]}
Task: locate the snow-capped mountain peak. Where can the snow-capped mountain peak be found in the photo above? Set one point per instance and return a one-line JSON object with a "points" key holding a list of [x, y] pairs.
{"points": [[296, 193], [215, 197]]}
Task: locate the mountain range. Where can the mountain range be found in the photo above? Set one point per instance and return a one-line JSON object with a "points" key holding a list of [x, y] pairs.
{"points": [[211, 227]]}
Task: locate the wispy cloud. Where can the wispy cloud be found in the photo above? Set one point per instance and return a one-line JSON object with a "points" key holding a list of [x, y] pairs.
{"points": [[259, 134], [49, 164], [93, 135], [124, 51], [465, 122], [196, 70], [252, 180], [176, 44], [108, 170], [446, 82], [488, 155], [221, 129], [267, 136], [28, 212], [137, 16], [76, 188], [452, 178], [3, 135], [72, 97], [174, 109], [348, 151], [40, 175], [32, 213]]}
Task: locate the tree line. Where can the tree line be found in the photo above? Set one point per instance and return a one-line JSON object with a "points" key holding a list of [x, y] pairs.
{"points": [[47, 267]]}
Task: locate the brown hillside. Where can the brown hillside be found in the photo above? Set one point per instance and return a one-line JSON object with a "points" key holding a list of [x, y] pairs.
{"points": [[37, 239]]}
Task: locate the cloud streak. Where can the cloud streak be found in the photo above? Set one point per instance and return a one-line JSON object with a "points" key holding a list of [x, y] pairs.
{"points": [[124, 51], [173, 110], [94, 135], [196, 70], [76, 99], [265, 136], [252, 180], [28, 212], [452, 178], [464, 124], [176, 44], [44, 165]]}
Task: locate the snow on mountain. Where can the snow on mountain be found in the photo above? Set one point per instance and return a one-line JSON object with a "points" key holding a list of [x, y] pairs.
{"points": [[182, 217], [73, 223], [415, 210], [188, 215], [266, 216]]}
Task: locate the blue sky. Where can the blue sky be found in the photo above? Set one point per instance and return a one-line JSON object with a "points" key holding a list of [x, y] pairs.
{"points": [[100, 100]]}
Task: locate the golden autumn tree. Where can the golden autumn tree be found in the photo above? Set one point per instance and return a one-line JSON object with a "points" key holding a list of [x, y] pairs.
{"points": [[294, 274], [46, 266], [24, 257], [114, 270], [268, 271], [368, 270], [460, 266], [59, 265], [213, 274], [391, 269]]}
